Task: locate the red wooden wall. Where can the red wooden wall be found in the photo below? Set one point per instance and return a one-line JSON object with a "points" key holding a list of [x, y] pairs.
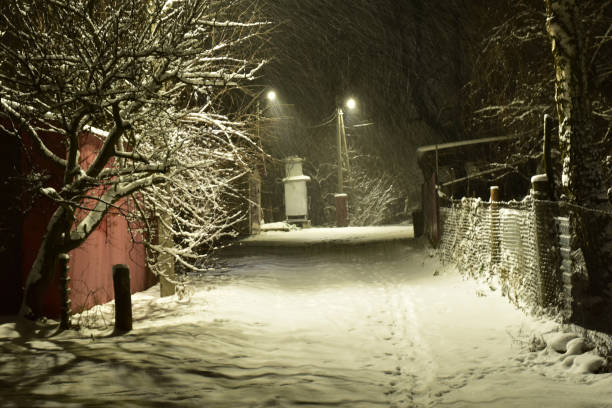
{"points": [[91, 264]]}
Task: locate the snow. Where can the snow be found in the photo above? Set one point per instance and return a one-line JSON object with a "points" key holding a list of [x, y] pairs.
{"points": [[96, 131], [51, 193], [559, 341], [346, 235], [278, 226], [390, 328], [296, 178], [539, 178]]}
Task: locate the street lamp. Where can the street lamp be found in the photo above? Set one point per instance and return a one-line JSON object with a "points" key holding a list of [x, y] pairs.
{"points": [[255, 209], [350, 103], [341, 197], [271, 96], [341, 139]]}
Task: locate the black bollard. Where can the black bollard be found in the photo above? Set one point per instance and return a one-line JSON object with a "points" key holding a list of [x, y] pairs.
{"points": [[123, 298]]}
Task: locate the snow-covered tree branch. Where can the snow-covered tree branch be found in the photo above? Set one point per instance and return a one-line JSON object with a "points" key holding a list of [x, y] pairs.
{"points": [[151, 75]]}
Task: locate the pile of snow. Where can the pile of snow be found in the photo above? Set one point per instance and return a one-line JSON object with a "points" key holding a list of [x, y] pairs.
{"points": [[575, 355]]}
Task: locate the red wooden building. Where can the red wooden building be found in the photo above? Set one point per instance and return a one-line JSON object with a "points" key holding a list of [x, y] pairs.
{"points": [[22, 225]]}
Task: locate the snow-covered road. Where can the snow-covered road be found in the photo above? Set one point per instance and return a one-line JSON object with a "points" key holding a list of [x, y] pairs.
{"points": [[389, 329]]}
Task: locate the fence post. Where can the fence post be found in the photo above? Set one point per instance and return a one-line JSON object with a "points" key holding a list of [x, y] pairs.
{"points": [[165, 261], [255, 213], [65, 291], [123, 298], [494, 220], [544, 223]]}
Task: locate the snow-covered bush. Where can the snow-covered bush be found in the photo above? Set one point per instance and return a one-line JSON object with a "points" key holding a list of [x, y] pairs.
{"points": [[375, 197]]}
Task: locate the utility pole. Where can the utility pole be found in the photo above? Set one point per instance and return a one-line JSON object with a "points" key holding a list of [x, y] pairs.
{"points": [[339, 143], [341, 198]]}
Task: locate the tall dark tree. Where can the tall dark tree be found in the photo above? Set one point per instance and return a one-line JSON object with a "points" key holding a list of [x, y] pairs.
{"points": [[581, 151]]}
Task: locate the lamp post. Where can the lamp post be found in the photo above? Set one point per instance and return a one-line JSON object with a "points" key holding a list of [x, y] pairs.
{"points": [[255, 210], [271, 96], [339, 129], [340, 197]]}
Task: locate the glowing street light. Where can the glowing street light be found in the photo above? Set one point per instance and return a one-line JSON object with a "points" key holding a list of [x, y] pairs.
{"points": [[271, 97], [351, 104]]}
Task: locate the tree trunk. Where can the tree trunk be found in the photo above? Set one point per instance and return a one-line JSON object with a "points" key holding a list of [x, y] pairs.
{"points": [[581, 176], [45, 265]]}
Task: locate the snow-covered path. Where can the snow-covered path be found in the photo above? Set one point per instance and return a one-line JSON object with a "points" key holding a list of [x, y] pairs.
{"points": [[356, 330]]}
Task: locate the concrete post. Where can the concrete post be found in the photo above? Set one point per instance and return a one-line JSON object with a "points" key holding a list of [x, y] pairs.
{"points": [[123, 298], [165, 261], [539, 187], [65, 291]]}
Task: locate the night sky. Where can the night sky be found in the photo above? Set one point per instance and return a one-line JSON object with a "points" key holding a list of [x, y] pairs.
{"points": [[404, 61]]}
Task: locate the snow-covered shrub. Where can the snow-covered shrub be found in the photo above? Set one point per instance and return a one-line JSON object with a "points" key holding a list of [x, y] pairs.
{"points": [[375, 198]]}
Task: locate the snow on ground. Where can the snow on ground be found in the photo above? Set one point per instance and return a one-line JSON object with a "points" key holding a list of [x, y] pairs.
{"points": [[283, 234], [392, 328]]}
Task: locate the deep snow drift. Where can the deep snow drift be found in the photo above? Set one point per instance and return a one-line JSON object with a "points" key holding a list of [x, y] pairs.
{"points": [[388, 329]]}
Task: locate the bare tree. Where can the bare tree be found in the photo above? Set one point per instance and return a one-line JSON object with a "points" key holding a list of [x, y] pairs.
{"points": [[581, 177], [581, 152], [512, 87], [153, 75]]}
